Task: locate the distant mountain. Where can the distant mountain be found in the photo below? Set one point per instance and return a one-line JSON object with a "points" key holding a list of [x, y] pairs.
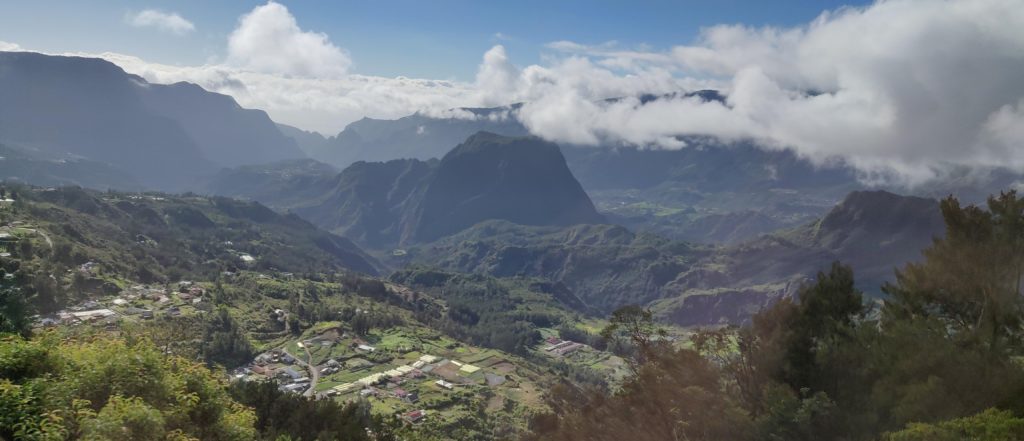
{"points": [[416, 136], [643, 188], [875, 232], [708, 191], [422, 136], [608, 266], [522, 180], [225, 133], [283, 185], [384, 204], [372, 202], [165, 136], [311, 143]]}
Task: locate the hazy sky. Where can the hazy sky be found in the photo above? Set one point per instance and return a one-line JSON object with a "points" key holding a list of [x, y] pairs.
{"points": [[903, 90]]}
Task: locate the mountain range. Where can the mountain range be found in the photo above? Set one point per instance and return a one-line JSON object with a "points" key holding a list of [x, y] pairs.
{"points": [[708, 233], [163, 136]]}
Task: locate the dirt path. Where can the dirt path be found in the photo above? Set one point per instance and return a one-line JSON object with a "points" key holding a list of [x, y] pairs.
{"points": [[46, 237]]}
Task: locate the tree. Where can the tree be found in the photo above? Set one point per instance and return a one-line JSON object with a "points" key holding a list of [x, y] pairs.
{"points": [[676, 396], [969, 280], [637, 325], [224, 342], [14, 309]]}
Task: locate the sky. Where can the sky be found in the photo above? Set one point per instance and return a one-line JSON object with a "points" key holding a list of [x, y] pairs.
{"points": [[905, 91], [420, 39]]}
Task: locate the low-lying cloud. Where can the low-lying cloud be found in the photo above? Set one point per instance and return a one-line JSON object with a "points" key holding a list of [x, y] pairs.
{"points": [[903, 90]]}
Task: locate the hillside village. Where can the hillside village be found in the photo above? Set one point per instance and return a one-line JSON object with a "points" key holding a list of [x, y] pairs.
{"points": [[410, 371]]}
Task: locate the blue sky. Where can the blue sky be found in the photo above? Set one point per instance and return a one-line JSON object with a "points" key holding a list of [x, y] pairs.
{"points": [[423, 39]]}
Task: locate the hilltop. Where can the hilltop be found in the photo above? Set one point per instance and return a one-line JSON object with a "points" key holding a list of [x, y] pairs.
{"points": [[383, 205]]}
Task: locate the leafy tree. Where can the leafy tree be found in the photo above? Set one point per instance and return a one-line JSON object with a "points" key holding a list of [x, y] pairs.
{"points": [[637, 326], [969, 280]]}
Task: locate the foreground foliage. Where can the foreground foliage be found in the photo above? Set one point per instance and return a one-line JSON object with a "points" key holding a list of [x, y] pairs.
{"points": [[111, 389]]}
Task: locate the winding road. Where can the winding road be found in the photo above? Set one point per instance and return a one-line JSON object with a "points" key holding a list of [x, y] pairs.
{"points": [[314, 374]]}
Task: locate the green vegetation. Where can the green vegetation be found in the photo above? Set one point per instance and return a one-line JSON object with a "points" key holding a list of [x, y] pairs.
{"points": [[111, 389], [937, 360]]}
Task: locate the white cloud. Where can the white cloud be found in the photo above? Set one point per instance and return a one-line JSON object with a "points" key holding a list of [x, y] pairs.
{"points": [[9, 47], [164, 21], [902, 89], [322, 104], [268, 39]]}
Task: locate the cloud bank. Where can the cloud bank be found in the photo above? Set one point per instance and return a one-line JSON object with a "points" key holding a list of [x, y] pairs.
{"points": [[164, 21], [903, 90]]}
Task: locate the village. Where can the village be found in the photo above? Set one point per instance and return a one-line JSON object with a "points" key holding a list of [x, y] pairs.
{"points": [[137, 302], [412, 375], [412, 372]]}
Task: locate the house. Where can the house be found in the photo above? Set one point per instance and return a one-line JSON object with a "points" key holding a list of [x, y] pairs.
{"points": [[131, 310], [558, 345], [553, 340], [444, 384], [565, 350], [399, 393], [412, 398], [429, 359], [245, 258], [295, 388], [94, 314], [367, 348], [414, 417], [468, 369], [289, 372], [344, 387], [147, 314]]}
